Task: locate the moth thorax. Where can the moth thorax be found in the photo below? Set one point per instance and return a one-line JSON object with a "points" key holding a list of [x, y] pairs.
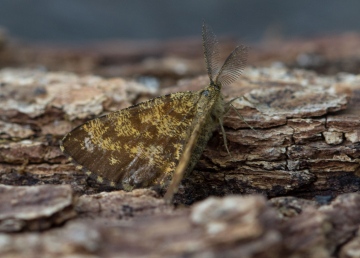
{"points": [[219, 108], [216, 85]]}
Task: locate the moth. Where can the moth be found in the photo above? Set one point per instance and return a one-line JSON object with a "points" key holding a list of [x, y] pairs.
{"points": [[157, 142]]}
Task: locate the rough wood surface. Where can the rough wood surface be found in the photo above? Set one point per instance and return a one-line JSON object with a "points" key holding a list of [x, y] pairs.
{"points": [[305, 144], [139, 224], [300, 144], [34, 208]]}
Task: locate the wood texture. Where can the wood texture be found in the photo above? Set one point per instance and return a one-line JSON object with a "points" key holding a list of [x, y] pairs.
{"points": [[300, 139], [298, 171]]}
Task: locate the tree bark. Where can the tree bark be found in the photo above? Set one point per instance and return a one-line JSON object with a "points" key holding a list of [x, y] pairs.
{"points": [[304, 142]]}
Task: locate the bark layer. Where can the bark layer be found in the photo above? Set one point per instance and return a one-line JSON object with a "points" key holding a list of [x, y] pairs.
{"points": [[304, 143]]}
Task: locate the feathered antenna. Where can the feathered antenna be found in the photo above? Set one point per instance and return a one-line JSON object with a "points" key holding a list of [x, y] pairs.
{"points": [[233, 65], [211, 51]]}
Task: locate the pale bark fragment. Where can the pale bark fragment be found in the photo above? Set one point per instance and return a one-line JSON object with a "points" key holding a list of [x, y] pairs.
{"points": [[34, 208]]}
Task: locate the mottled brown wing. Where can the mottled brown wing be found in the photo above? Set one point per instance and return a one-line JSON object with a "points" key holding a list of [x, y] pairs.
{"points": [[135, 147]]}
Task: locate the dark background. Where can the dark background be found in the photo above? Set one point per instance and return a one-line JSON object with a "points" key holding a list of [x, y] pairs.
{"points": [[251, 20]]}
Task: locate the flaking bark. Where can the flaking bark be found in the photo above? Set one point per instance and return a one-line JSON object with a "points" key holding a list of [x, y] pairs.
{"points": [[305, 144]]}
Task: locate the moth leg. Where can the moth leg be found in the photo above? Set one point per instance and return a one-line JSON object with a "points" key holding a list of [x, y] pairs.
{"points": [[224, 136], [229, 105], [242, 118]]}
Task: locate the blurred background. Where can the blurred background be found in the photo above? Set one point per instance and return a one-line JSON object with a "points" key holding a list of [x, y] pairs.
{"points": [[162, 39], [252, 20]]}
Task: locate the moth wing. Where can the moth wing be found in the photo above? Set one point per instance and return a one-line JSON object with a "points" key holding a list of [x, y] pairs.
{"points": [[135, 147], [184, 161]]}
